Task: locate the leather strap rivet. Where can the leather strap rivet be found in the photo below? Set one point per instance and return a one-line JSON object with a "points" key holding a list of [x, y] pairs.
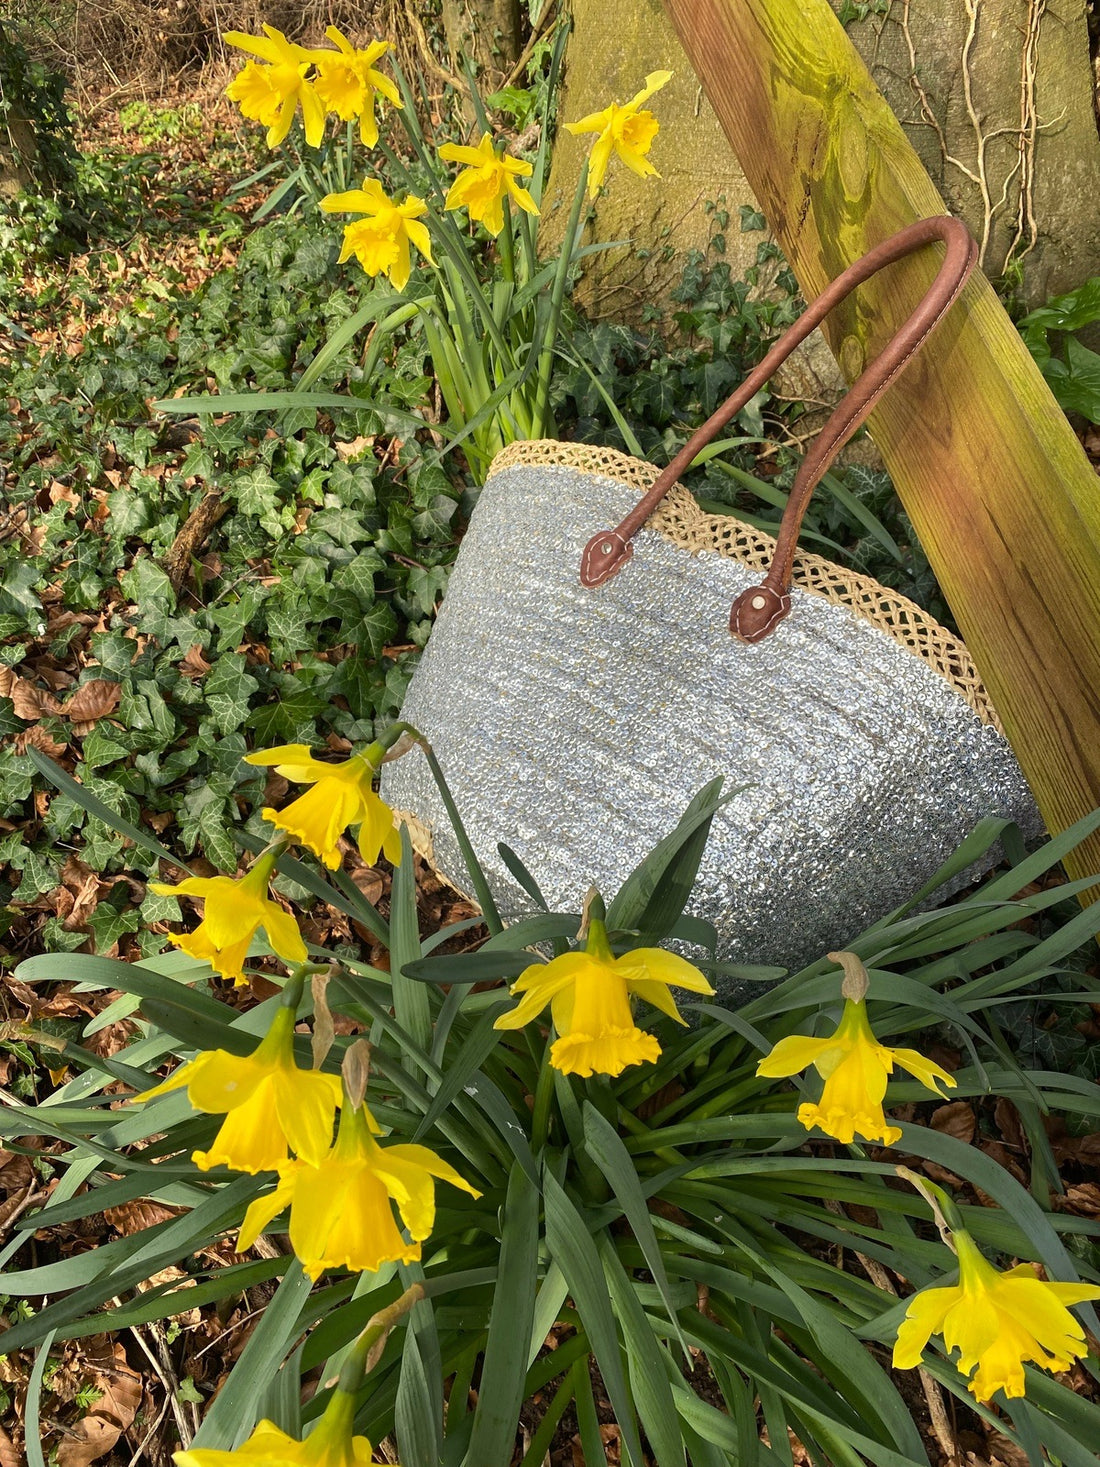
{"points": [[758, 603], [607, 547]]}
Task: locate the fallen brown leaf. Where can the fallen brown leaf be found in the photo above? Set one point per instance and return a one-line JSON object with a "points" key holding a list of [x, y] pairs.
{"points": [[194, 664], [1083, 1199], [956, 1119], [133, 1217], [29, 702], [36, 737], [93, 700]]}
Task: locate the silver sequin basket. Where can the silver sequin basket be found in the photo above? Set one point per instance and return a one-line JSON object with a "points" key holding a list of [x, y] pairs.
{"points": [[574, 725]]}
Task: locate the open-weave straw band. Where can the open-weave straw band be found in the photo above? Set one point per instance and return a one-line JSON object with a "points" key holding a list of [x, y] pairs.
{"points": [[680, 520]]}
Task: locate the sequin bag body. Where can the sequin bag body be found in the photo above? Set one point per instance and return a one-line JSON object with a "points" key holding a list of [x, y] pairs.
{"points": [[576, 715]]}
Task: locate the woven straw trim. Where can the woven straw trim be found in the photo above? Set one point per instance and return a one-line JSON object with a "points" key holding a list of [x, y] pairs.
{"points": [[679, 519]]}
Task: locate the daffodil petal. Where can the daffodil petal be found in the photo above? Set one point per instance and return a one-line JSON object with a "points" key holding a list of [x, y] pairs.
{"points": [[283, 934], [923, 1319], [305, 1104], [793, 1054], [929, 1074], [653, 83], [263, 1211], [658, 995], [221, 1081], [179, 1077], [660, 966]]}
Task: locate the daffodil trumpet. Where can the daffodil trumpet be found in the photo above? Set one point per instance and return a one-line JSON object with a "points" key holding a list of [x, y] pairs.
{"points": [[589, 993]]}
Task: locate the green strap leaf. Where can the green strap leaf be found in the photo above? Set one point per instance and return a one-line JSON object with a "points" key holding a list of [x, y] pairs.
{"points": [[410, 1000], [496, 1416], [646, 1364], [573, 1249], [611, 1156], [233, 1413]]}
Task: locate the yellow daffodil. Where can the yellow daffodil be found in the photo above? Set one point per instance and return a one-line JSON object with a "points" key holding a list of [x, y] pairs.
{"points": [[854, 1066], [624, 131], [342, 795], [341, 1207], [380, 242], [234, 909], [330, 1444], [270, 1105], [271, 93], [589, 995], [996, 1321], [486, 181], [347, 81]]}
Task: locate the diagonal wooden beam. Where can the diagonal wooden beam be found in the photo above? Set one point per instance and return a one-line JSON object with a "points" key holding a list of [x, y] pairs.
{"points": [[998, 488]]}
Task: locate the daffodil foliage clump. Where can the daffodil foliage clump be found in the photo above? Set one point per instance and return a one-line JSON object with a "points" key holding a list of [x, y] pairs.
{"points": [[467, 1179], [443, 232]]}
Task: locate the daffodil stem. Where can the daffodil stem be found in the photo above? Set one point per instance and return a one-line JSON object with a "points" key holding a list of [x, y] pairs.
{"points": [[597, 1089], [631, 1123], [948, 1218], [276, 847], [367, 1348], [544, 1097], [294, 986], [473, 865], [557, 297], [508, 246]]}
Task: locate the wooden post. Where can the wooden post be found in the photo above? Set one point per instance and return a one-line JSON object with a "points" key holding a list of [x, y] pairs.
{"points": [[1001, 494]]}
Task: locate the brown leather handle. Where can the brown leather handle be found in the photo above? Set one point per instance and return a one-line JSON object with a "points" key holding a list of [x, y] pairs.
{"points": [[758, 610]]}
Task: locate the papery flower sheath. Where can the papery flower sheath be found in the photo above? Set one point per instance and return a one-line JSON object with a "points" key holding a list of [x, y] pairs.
{"points": [[487, 180], [347, 81], [271, 93], [589, 995], [341, 1208], [624, 131], [855, 1067], [996, 1321], [331, 1443], [342, 795], [381, 241], [270, 1104], [234, 907]]}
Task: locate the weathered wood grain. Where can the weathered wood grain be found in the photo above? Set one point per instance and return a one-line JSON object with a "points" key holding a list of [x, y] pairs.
{"points": [[1001, 494]]}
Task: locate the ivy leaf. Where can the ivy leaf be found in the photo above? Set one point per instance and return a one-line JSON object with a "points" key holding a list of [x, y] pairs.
{"points": [[377, 628], [427, 585], [15, 591], [146, 585], [229, 688]]}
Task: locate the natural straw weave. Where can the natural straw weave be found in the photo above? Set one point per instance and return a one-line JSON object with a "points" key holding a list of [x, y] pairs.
{"points": [[680, 520]]}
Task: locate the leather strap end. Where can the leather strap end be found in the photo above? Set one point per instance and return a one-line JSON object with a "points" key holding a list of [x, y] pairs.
{"points": [[604, 556], [757, 611]]}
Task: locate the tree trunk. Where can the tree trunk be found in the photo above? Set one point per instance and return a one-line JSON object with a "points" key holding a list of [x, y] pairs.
{"points": [[489, 32], [1001, 494], [665, 218], [998, 99], [19, 156], [996, 96]]}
